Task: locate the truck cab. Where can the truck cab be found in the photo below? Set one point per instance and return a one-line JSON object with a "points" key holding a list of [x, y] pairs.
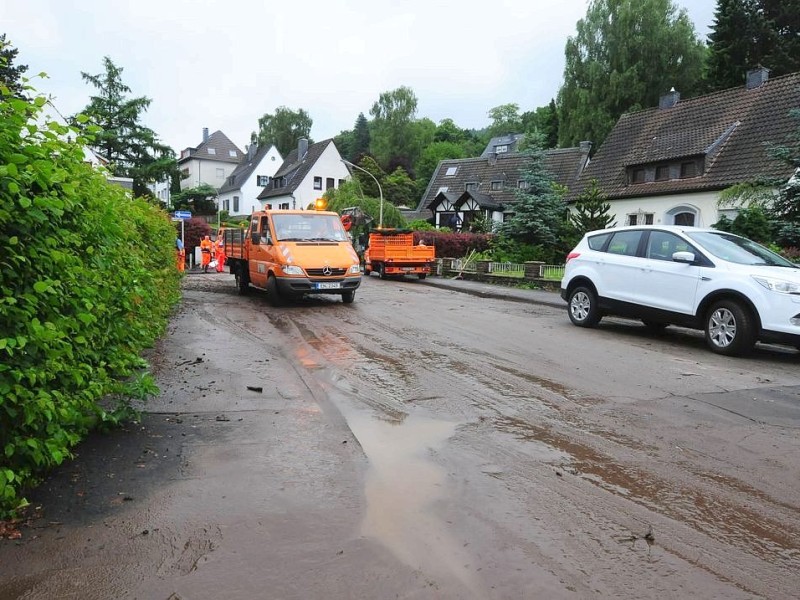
{"points": [[290, 253]]}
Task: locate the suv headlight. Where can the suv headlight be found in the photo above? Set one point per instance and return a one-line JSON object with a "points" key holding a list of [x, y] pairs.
{"points": [[292, 270], [355, 269], [778, 285]]}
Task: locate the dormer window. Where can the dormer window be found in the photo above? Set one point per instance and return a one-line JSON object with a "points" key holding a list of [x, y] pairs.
{"points": [[232, 153], [471, 186], [662, 172], [496, 186], [688, 169], [211, 151], [638, 176], [451, 171], [501, 149]]}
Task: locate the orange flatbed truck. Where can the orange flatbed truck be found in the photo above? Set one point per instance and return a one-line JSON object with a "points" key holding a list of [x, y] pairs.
{"points": [[290, 253], [392, 253]]}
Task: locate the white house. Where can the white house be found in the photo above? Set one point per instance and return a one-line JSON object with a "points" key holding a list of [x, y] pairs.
{"points": [[239, 194], [305, 175], [212, 162], [668, 165]]}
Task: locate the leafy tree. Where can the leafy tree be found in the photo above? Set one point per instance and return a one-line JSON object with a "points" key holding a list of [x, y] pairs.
{"points": [[10, 75], [283, 129], [540, 214], [751, 222], [785, 207], [345, 142], [132, 149], [200, 200], [591, 210], [505, 120], [366, 182], [543, 120], [399, 188], [625, 55], [430, 158], [352, 194], [391, 134], [749, 33]]}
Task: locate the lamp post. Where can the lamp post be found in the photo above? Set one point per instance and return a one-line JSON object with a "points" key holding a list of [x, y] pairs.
{"points": [[380, 191]]}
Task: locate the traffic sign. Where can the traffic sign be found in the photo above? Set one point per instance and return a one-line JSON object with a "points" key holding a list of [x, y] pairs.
{"points": [[183, 214]]}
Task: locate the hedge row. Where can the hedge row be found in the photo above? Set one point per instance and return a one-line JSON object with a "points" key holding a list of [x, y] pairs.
{"points": [[87, 281], [454, 245]]}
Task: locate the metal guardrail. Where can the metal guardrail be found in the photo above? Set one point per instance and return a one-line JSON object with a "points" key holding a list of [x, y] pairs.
{"points": [[552, 272], [507, 269]]}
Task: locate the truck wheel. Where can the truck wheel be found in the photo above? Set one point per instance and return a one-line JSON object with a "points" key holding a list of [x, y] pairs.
{"points": [[273, 295], [381, 271], [348, 296], [730, 328], [242, 281], [422, 275]]}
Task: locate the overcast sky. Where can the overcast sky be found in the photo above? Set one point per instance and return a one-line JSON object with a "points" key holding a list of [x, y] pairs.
{"points": [[222, 65]]}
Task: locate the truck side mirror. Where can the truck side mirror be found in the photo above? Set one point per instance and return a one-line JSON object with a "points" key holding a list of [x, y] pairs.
{"points": [[255, 238]]}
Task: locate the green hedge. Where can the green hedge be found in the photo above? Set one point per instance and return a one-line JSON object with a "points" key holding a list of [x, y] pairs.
{"points": [[87, 281]]}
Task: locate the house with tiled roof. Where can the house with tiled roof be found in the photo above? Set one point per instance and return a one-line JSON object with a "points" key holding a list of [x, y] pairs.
{"points": [[239, 194], [211, 162], [503, 144], [668, 165], [462, 190], [306, 173]]}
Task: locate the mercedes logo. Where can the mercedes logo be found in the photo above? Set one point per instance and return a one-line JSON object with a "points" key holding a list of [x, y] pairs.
{"points": [[326, 270]]}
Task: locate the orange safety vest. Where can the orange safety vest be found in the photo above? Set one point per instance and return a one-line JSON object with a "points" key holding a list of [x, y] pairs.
{"points": [[205, 251]]}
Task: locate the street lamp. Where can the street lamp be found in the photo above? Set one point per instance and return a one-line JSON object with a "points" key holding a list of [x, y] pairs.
{"points": [[380, 191]]}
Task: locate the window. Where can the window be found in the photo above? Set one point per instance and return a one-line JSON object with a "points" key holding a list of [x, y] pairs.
{"points": [[639, 218], [211, 151], [226, 205], [329, 183], [497, 185], [662, 172], [284, 206], [236, 204], [231, 180], [685, 218], [262, 180], [625, 243], [451, 171], [638, 176], [220, 173], [232, 153], [688, 169], [317, 183], [522, 184], [662, 244], [596, 242], [501, 149], [471, 186]]}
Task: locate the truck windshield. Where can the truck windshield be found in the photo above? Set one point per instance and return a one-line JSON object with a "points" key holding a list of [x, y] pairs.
{"points": [[311, 227]]}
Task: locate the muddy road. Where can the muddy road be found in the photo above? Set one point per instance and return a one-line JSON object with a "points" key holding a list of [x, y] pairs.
{"points": [[427, 443]]}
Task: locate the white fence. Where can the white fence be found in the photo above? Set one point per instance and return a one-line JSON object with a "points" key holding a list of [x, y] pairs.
{"points": [[507, 269]]}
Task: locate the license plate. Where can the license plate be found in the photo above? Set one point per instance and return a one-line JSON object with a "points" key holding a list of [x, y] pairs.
{"points": [[406, 268], [332, 285]]}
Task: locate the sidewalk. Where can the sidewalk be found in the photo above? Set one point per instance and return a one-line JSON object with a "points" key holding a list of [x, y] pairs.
{"points": [[502, 292]]}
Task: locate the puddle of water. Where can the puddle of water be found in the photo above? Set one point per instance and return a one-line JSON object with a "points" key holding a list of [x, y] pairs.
{"points": [[403, 488]]}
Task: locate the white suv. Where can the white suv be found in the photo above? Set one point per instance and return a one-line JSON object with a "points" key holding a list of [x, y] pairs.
{"points": [[731, 287]]}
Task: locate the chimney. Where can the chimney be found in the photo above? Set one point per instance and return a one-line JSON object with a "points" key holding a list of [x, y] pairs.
{"points": [[586, 147], [756, 77], [251, 151], [302, 148], [669, 99], [205, 134]]}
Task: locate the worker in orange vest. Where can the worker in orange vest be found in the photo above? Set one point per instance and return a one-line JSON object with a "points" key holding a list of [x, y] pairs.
{"points": [[219, 253], [206, 246], [181, 254]]}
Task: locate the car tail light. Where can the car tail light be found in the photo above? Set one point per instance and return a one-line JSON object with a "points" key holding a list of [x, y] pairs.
{"points": [[572, 255]]}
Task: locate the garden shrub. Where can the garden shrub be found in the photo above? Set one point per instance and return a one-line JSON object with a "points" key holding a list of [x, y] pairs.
{"points": [[453, 245], [87, 282]]}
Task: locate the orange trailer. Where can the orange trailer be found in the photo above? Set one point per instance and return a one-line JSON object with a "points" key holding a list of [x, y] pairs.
{"points": [[392, 253]]}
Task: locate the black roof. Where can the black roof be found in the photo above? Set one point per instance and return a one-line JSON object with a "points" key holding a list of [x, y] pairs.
{"points": [[294, 171], [244, 169]]}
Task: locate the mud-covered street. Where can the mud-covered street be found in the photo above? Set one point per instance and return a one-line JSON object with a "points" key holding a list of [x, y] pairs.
{"points": [[427, 443]]}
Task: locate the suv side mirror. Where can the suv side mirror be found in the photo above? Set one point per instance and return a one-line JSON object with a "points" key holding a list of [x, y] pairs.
{"points": [[683, 257]]}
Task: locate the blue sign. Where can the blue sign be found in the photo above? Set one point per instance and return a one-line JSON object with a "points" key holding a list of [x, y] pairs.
{"points": [[183, 214]]}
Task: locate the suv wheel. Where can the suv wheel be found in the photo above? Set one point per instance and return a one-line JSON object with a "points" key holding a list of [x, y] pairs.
{"points": [[583, 310], [730, 328]]}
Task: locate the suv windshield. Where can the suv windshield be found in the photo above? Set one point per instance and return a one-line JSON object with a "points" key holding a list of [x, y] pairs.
{"points": [[737, 249]]}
